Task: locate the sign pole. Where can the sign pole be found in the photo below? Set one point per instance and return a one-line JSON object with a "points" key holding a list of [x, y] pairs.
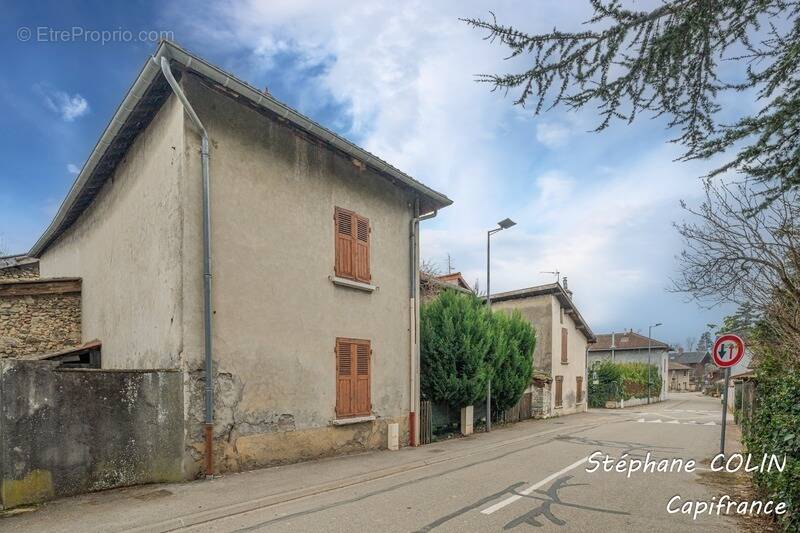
{"points": [[724, 411], [727, 351]]}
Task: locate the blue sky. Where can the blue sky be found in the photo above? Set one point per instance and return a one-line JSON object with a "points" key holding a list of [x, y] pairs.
{"points": [[400, 82]]}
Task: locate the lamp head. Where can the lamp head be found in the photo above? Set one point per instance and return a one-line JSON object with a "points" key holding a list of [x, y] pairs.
{"points": [[506, 223]]}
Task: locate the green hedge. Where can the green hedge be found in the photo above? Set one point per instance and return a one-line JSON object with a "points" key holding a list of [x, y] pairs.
{"points": [[609, 381], [775, 429], [463, 344]]}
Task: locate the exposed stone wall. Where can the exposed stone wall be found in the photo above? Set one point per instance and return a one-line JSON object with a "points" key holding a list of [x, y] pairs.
{"points": [[39, 316], [540, 399], [27, 271]]}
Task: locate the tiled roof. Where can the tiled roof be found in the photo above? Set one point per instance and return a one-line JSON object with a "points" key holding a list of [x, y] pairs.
{"points": [[626, 340], [563, 296], [690, 358]]}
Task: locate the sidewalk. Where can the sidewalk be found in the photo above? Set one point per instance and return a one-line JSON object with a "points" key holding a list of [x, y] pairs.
{"points": [[168, 506]]}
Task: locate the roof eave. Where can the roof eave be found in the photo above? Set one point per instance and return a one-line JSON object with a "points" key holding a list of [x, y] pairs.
{"points": [[433, 199]]}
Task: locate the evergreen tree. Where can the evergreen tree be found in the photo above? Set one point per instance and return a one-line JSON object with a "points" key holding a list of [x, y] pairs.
{"points": [[666, 61], [455, 339], [511, 358]]}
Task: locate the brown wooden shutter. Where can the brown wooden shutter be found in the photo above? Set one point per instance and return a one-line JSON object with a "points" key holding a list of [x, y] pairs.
{"points": [[361, 255], [361, 398], [353, 373], [344, 378], [345, 243], [559, 390], [564, 345], [579, 386]]}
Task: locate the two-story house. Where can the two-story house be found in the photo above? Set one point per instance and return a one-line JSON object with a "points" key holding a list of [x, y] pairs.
{"points": [[220, 232], [630, 347], [562, 338]]}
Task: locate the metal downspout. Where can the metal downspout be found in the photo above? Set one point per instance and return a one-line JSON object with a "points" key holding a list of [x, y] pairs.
{"points": [[414, 359], [208, 421]]}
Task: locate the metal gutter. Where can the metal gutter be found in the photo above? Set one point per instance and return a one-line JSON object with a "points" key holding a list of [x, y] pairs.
{"points": [[208, 421]]}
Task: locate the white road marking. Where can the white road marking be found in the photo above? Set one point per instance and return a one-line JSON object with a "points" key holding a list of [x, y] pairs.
{"points": [[687, 422], [525, 492]]}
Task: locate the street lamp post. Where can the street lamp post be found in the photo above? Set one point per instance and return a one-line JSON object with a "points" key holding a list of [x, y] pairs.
{"points": [[503, 224], [649, 346]]}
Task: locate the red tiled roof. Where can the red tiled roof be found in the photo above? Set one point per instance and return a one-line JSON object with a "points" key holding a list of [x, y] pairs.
{"points": [[455, 279]]}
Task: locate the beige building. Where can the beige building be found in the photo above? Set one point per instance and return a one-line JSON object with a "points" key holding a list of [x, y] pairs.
{"points": [[313, 266], [679, 376], [562, 338]]}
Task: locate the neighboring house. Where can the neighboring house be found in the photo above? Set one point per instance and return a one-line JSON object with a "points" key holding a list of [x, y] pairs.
{"points": [[562, 336], [431, 286], [630, 347], [314, 286], [455, 278], [700, 363], [679, 376]]}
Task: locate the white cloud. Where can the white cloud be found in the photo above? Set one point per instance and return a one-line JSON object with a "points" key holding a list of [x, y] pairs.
{"points": [[552, 134], [69, 107], [404, 74], [73, 169]]}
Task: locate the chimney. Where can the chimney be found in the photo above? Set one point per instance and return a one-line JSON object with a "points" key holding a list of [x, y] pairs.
{"points": [[566, 286]]}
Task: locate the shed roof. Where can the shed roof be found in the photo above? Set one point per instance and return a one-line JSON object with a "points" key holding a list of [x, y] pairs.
{"points": [[145, 98]]}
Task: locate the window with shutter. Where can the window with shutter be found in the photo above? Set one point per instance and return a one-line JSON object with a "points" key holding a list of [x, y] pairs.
{"points": [[352, 245], [559, 391], [564, 345], [353, 377], [579, 389]]}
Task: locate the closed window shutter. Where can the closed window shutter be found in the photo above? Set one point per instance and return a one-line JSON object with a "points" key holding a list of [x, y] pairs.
{"points": [[353, 373], [344, 378], [361, 255], [579, 387], [559, 390], [564, 345], [362, 400], [345, 243]]}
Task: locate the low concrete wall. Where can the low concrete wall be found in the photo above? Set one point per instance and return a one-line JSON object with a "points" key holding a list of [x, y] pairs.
{"points": [[631, 403], [69, 431]]}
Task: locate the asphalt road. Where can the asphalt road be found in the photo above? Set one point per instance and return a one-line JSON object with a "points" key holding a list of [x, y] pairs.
{"points": [[530, 476]]}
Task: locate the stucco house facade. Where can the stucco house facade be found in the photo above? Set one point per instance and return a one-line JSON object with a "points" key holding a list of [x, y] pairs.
{"points": [[630, 347], [313, 254], [562, 338], [700, 364], [679, 377]]}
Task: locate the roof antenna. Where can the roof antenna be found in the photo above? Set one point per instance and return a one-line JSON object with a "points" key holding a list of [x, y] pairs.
{"points": [[555, 272]]}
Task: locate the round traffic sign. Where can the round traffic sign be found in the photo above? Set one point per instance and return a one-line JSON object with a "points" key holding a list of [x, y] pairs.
{"points": [[728, 350]]}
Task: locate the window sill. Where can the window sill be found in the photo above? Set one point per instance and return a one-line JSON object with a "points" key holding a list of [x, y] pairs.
{"points": [[354, 420], [344, 282], [564, 362], [558, 407]]}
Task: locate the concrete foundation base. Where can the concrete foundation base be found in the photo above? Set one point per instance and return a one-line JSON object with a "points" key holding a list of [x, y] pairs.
{"points": [[466, 420]]}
